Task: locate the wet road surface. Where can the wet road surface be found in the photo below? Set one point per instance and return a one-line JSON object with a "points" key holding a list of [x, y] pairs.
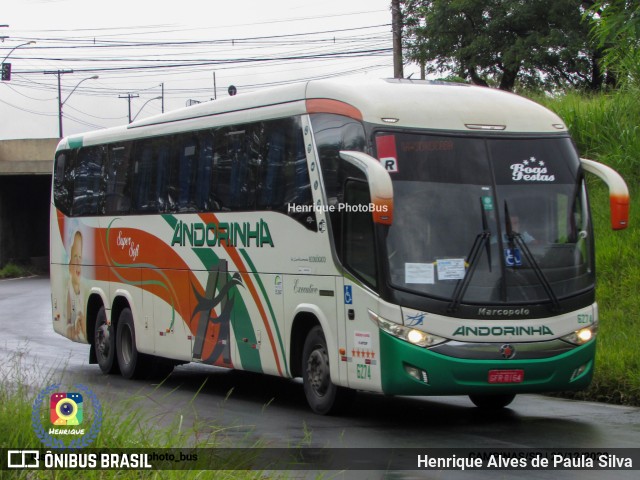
{"points": [[249, 409]]}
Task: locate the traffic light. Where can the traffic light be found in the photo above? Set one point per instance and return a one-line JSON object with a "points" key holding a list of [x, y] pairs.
{"points": [[6, 72]]}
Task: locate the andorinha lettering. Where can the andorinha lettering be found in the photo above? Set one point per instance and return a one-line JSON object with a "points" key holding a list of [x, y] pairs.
{"points": [[228, 234], [501, 331]]}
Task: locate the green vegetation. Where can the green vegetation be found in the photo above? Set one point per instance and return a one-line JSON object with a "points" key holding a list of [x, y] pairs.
{"points": [[11, 270], [130, 424], [606, 128]]}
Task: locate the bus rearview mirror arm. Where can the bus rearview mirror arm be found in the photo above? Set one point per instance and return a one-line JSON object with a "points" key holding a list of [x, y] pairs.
{"points": [[379, 182], [618, 192]]}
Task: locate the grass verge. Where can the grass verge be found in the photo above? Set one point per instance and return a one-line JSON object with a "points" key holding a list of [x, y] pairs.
{"points": [[11, 270], [129, 424], [606, 128]]}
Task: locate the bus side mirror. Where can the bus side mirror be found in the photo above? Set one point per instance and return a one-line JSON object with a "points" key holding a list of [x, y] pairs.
{"points": [[379, 182], [618, 192]]}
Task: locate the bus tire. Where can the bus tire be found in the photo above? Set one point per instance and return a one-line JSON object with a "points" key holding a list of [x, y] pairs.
{"points": [[131, 362], [104, 344], [323, 396], [492, 402]]}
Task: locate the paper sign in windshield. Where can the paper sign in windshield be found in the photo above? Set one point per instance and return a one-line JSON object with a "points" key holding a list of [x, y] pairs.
{"points": [[451, 269], [419, 273]]}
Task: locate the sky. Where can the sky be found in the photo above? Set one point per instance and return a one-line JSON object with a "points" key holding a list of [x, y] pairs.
{"points": [[137, 48]]}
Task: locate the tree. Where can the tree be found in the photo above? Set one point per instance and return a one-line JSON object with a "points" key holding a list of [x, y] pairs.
{"points": [[542, 43], [616, 28]]}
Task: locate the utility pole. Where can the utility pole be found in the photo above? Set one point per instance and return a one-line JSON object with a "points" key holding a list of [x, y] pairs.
{"points": [[162, 85], [129, 96], [59, 73], [396, 21]]}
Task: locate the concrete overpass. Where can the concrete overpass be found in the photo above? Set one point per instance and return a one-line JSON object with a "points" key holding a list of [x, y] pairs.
{"points": [[25, 190]]}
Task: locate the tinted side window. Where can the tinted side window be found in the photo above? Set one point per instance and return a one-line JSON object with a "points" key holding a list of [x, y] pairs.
{"points": [[87, 181], [63, 180], [332, 134], [151, 175], [283, 179], [117, 199], [236, 157], [190, 184]]}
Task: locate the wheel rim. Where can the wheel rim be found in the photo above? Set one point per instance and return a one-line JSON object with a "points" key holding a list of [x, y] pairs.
{"points": [[125, 346], [103, 340], [318, 371]]}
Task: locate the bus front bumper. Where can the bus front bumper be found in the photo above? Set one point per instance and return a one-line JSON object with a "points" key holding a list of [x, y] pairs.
{"points": [[407, 369]]}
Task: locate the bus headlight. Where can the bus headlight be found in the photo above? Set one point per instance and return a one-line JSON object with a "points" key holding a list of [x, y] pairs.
{"points": [[411, 335], [582, 336]]}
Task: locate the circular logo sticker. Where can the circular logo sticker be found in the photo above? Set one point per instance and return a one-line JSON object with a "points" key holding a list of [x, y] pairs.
{"points": [[66, 418]]}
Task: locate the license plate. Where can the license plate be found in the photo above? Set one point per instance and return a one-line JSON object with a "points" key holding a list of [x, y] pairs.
{"points": [[506, 376]]}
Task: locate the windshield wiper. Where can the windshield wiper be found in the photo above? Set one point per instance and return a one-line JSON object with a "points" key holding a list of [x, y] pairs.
{"points": [[514, 240], [482, 239]]}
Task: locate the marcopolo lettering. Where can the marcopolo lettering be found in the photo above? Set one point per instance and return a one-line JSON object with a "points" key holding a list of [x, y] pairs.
{"points": [[229, 234], [503, 312], [502, 331]]}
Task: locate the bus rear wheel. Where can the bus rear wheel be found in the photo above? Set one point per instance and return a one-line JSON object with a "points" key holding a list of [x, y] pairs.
{"points": [[323, 396], [132, 363], [492, 402], [104, 344]]}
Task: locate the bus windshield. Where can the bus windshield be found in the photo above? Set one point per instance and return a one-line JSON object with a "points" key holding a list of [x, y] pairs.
{"points": [[509, 214]]}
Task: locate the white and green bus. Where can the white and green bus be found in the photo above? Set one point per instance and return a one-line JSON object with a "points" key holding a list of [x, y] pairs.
{"points": [[394, 236]]}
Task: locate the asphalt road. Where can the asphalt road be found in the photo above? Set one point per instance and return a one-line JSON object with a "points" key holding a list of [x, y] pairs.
{"points": [[247, 409]]}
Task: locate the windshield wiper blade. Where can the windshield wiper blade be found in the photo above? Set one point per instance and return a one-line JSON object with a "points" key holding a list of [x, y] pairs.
{"points": [[515, 240], [482, 239]]}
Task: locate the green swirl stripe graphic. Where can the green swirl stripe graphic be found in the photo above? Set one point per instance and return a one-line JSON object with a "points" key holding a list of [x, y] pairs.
{"points": [[143, 283]]}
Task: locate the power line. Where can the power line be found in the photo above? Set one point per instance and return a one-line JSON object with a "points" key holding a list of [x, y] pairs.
{"points": [[94, 43], [215, 62]]}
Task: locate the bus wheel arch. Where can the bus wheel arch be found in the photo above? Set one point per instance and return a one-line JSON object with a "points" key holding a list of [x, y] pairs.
{"points": [[302, 325], [323, 396]]}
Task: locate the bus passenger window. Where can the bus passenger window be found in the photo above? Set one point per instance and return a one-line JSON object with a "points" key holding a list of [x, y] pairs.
{"points": [[301, 194], [203, 173], [143, 201], [186, 174], [273, 180], [150, 175], [240, 176], [117, 198], [334, 133], [63, 180], [235, 161], [87, 185], [161, 190], [283, 176]]}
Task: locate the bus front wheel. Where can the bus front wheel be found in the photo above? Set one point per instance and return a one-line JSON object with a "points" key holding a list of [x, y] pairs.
{"points": [[131, 362], [323, 396], [104, 344], [492, 402]]}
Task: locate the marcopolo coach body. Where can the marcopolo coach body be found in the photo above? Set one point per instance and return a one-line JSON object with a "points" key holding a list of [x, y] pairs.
{"points": [[394, 236]]}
